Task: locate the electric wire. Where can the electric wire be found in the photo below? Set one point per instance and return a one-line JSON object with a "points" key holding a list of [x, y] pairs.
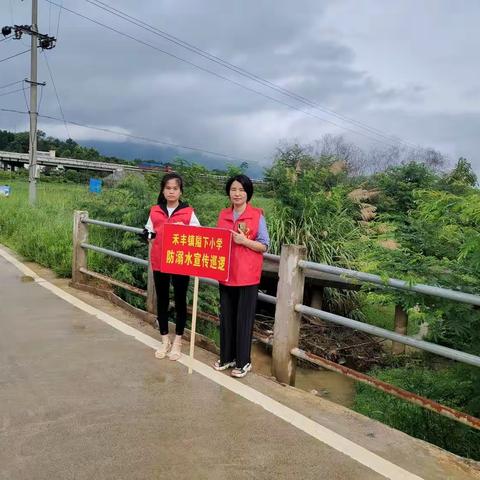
{"points": [[41, 97], [137, 137], [10, 84], [9, 93], [11, 110], [58, 21], [147, 139], [25, 97], [13, 56], [56, 94], [49, 17], [386, 142], [152, 29]]}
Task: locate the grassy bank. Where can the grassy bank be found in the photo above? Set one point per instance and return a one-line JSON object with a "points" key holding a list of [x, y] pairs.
{"points": [[42, 234]]}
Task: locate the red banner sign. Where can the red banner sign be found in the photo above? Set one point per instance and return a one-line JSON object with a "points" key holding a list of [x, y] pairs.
{"points": [[196, 251]]}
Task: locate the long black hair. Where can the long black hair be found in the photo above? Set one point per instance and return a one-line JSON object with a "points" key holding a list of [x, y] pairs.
{"points": [[244, 181], [168, 176]]}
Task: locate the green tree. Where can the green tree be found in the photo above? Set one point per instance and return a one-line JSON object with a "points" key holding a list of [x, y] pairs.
{"points": [[399, 183], [462, 174]]}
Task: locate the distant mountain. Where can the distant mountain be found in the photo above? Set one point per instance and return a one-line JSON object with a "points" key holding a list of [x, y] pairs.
{"points": [[132, 151]]}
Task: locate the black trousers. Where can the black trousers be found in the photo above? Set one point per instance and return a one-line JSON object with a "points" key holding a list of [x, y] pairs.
{"points": [[162, 288], [237, 314]]}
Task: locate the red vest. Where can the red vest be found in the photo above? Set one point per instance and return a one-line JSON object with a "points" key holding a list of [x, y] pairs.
{"points": [[245, 264], [159, 218]]}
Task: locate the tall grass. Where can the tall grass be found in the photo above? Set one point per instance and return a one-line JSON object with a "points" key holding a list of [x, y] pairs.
{"points": [[42, 233]]}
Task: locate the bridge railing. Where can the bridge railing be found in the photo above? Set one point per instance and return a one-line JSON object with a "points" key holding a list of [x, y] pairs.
{"points": [[289, 310]]}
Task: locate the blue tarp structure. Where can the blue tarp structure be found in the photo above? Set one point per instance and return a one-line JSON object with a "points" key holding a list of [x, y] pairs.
{"points": [[95, 185]]}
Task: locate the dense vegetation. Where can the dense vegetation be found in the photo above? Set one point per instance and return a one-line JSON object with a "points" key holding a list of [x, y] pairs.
{"points": [[413, 218]]}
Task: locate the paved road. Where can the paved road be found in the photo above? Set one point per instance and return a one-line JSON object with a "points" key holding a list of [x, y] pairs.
{"points": [[82, 400]]}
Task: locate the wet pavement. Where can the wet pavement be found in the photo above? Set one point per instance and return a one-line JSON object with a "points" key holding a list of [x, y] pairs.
{"points": [[81, 400]]}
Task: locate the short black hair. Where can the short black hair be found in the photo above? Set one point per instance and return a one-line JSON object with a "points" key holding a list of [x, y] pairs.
{"points": [[244, 181], [168, 176]]}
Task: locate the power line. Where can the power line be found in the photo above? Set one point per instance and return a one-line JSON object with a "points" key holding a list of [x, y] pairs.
{"points": [[11, 11], [56, 94], [10, 84], [177, 41], [293, 107], [137, 137], [6, 38], [149, 140], [58, 21], [13, 91], [13, 56], [10, 110], [41, 97], [25, 97], [49, 17]]}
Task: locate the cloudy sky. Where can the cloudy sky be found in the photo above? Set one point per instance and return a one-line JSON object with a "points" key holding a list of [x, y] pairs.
{"points": [[408, 69]]}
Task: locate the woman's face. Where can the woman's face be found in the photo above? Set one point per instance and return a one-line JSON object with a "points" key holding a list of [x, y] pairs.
{"points": [[238, 195], [172, 191]]}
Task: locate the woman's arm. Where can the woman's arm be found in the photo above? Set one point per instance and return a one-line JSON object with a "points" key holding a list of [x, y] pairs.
{"points": [[149, 225], [148, 233], [260, 244], [240, 239]]}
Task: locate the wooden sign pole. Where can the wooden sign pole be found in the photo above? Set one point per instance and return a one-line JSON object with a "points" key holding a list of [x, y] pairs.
{"points": [[194, 322]]}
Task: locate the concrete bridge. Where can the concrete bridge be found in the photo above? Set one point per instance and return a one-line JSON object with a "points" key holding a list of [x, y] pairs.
{"points": [[48, 160], [13, 161], [83, 397]]}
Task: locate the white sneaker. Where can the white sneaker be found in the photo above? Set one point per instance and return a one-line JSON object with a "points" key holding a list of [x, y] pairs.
{"points": [[241, 372], [165, 347], [219, 366]]}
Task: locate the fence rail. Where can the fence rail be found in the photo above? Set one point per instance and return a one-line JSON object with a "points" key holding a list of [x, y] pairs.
{"points": [[292, 271], [455, 295], [383, 333]]}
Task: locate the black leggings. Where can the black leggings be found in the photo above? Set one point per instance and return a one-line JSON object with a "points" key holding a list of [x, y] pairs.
{"points": [[162, 287], [237, 314]]}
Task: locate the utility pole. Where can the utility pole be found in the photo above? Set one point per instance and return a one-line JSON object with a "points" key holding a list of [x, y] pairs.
{"points": [[32, 152], [45, 42]]}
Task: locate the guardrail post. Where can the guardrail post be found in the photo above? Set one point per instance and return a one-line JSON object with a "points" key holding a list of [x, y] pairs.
{"points": [[79, 255], [287, 321], [151, 294], [400, 326]]}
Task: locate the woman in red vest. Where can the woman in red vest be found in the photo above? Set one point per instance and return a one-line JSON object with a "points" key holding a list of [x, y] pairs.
{"points": [[169, 209], [238, 295]]}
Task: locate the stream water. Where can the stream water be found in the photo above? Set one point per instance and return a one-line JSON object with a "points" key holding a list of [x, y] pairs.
{"points": [[324, 383]]}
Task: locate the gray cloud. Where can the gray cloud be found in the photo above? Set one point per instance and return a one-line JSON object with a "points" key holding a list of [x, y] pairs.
{"points": [[347, 58]]}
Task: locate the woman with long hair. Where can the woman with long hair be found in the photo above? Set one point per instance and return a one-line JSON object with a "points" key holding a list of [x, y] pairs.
{"points": [[169, 209]]}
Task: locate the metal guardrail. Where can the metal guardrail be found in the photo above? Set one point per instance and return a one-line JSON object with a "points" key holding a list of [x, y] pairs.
{"points": [[327, 316], [116, 226], [410, 397], [381, 332], [396, 337], [394, 283], [298, 308], [112, 253]]}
